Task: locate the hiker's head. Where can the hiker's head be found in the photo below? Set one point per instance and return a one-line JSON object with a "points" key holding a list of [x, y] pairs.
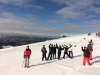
{"points": [[85, 48], [52, 45], [43, 45], [59, 45], [66, 46], [89, 42], [27, 47], [70, 45]]}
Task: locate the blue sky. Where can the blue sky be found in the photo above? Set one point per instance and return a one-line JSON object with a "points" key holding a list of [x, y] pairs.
{"points": [[49, 17]]}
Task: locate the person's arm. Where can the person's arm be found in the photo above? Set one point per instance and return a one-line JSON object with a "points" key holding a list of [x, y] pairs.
{"points": [[69, 47], [30, 51], [45, 50], [82, 48], [56, 45], [41, 49], [49, 45], [63, 46], [24, 54]]}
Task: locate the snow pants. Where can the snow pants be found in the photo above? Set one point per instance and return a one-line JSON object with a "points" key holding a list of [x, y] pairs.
{"points": [[90, 54], [26, 60], [86, 59], [70, 54]]}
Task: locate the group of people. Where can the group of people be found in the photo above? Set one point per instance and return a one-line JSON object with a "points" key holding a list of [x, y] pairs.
{"points": [[87, 53], [55, 48], [98, 34]]}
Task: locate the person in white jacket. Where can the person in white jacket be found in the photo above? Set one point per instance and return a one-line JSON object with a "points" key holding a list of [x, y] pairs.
{"points": [[70, 51]]}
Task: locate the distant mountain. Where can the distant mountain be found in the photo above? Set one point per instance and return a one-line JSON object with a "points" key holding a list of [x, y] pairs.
{"points": [[6, 40]]}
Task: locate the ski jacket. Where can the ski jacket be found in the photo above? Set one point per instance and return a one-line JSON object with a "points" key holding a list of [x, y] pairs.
{"points": [[27, 53], [86, 53], [60, 49], [43, 50], [54, 49], [50, 49], [70, 49], [90, 47], [66, 49]]}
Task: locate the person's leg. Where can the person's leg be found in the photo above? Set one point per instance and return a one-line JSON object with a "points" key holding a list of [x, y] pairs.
{"points": [[42, 57], [58, 55], [84, 60], [25, 62], [45, 56], [71, 54], [67, 53], [64, 55], [55, 55], [50, 56], [88, 61], [90, 54]]}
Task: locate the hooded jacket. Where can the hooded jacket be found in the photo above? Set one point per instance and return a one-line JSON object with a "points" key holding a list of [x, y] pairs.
{"points": [[27, 53], [43, 50], [86, 53]]}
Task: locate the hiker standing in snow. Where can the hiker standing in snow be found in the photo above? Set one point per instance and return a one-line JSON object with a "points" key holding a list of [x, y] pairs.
{"points": [[86, 55], [65, 51], [50, 52], [27, 54], [70, 51], [90, 48], [44, 51], [91, 42], [54, 52], [59, 50]]}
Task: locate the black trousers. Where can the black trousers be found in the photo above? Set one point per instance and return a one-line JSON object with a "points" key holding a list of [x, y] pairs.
{"points": [[66, 52], [59, 54], [49, 55], [43, 56]]}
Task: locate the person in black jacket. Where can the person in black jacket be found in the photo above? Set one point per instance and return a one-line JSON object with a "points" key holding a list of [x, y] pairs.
{"points": [[65, 51], [50, 52], [59, 51], [90, 48], [86, 55], [54, 52]]}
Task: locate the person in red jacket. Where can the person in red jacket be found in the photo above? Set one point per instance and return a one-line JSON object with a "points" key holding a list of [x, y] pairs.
{"points": [[27, 54]]}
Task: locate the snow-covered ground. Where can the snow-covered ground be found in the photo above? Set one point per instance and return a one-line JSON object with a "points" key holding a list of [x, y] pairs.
{"points": [[11, 59]]}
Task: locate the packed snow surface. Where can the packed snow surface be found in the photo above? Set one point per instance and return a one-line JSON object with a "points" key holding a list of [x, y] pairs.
{"points": [[11, 59]]}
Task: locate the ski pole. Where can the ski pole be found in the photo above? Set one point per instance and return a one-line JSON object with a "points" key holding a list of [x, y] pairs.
{"points": [[23, 63]]}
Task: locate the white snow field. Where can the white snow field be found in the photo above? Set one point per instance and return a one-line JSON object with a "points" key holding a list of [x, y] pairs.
{"points": [[11, 59]]}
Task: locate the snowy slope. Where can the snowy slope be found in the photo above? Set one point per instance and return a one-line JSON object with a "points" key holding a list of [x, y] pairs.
{"points": [[11, 59]]}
